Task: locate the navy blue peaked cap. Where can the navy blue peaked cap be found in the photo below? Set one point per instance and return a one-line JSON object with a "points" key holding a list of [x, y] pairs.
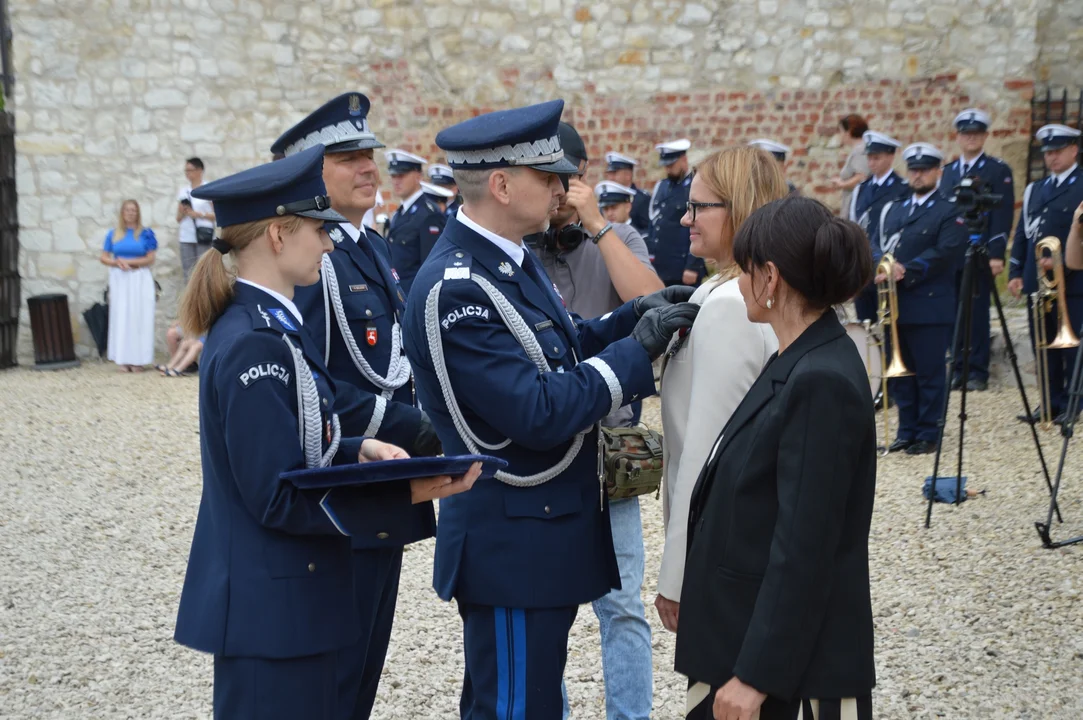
{"points": [[522, 137], [340, 125], [291, 186]]}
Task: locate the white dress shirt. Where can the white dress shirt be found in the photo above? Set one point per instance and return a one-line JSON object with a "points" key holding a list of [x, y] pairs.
{"points": [[513, 250], [286, 302]]}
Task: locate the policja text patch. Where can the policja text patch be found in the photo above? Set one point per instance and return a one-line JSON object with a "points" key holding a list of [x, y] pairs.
{"points": [[265, 370], [465, 311]]}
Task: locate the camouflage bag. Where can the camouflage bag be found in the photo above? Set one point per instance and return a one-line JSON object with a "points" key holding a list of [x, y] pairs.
{"points": [[633, 461]]}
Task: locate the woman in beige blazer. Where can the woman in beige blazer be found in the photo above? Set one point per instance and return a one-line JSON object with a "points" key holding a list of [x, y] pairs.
{"points": [[707, 372]]}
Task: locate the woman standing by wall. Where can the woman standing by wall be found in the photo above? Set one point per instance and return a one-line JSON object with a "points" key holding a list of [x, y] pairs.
{"points": [[708, 371], [129, 252], [856, 167]]}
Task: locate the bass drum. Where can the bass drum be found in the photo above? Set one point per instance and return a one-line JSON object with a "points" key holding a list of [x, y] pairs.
{"points": [[866, 343]]}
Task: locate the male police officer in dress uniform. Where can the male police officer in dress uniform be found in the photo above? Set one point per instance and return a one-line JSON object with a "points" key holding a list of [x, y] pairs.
{"points": [[439, 195], [779, 151], [417, 223], [972, 128], [668, 240], [928, 239], [621, 169], [883, 185], [1047, 210], [443, 176], [353, 315], [595, 278], [504, 368]]}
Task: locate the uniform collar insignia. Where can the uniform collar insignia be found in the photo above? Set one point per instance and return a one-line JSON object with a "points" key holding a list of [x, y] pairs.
{"points": [[505, 267], [280, 315], [336, 235]]}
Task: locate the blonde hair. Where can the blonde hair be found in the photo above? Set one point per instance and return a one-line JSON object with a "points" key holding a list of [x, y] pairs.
{"points": [[210, 288], [745, 178], [122, 227]]}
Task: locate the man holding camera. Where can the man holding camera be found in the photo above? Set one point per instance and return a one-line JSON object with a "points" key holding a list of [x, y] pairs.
{"points": [[597, 266], [971, 131], [195, 216], [503, 368]]}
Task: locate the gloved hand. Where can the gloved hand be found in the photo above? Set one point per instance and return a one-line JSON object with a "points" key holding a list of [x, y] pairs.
{"points": [[666, 296], [655, 329], [427, 442]]}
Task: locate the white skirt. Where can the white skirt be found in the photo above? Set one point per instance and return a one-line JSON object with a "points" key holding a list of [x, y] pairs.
{"points": [[131, 316]]}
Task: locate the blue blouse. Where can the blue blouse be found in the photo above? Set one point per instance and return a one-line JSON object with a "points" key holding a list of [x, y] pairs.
{"points": [[129, 247]]}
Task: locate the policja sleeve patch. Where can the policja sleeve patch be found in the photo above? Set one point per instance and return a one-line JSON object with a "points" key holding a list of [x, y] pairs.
{"points": [[466, 311], [264, 370]]}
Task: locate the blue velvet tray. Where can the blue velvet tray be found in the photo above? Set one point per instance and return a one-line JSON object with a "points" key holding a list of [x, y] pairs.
{"points": [[389, 470]]}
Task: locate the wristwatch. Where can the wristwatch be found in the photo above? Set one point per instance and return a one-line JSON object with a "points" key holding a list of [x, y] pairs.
{"points": [[603, 231]]}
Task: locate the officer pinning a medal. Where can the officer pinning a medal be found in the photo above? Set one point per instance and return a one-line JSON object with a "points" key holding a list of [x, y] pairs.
{"points": [[269, 585], [417, 223], [352, 315], [668, 240], [621, 170], [883, 185], [779, 151], [503, 367], [927, 239], [443, 176], [971, 132], [1048, 206]]}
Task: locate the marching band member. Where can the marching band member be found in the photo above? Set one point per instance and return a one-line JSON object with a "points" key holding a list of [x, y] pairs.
{"points": [[882, 186], [352, 315], [1048, 206], [927, 238], [269, 585], [500, 364], [971, 131]]}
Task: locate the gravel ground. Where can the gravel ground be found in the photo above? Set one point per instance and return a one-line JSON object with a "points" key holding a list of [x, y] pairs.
{"points": [[973, 618]]}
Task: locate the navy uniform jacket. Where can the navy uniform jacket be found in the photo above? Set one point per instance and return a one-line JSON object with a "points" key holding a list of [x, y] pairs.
{"points": [[412, 235], [452, 208], [1048, 211], [929, 240], [668, 240], [270, 572], [869, 199], [549, 545], [641, 211], [997, 176]]}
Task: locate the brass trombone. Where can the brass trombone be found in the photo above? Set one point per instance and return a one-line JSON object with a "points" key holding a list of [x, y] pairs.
{"points": [[887, 319], [1049, 290]]}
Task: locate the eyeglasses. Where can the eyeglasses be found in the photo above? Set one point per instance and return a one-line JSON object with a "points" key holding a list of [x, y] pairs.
{"points": [[691, 207]]}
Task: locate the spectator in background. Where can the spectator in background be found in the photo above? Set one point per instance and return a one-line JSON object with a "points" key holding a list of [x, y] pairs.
{"points": [[196, 218], [183, 352], [129, 252], [856, 168]]}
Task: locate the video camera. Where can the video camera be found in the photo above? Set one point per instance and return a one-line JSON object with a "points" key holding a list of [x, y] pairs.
{"points": [[974, 200]]}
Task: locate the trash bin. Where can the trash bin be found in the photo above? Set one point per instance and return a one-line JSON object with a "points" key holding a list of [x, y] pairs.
{"points": [[50, 324]]}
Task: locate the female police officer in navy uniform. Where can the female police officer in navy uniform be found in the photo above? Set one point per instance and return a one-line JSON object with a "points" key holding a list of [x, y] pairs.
{"points": [[269, 586]]}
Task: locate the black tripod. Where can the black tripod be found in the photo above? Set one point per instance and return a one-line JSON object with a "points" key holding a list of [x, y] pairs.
{"points": [[977, 261], [1066, 430]]}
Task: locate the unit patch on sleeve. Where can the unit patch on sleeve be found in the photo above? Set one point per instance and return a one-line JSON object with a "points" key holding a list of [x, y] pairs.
{"points": [[465, 311], [264, 370]]}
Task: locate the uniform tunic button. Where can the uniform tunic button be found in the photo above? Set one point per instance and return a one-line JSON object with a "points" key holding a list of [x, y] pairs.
{"points": [[368, 313], [547, 510], [382, 536], [312, 567]]}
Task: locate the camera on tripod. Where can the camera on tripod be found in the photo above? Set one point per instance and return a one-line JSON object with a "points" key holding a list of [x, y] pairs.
{"points": [[973, 199]]}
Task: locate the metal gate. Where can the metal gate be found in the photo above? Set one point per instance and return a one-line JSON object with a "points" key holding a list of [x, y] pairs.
{"points": [[1054, 106], [10, 298]]}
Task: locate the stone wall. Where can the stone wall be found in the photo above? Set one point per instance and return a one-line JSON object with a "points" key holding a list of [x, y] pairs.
{"points": [[112, 95]]}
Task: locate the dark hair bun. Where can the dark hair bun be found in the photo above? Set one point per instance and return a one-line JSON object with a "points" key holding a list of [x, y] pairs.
{"points": [[823, 257]]}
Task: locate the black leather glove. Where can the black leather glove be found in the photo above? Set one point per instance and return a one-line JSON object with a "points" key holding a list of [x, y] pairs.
{"points": [[663, 298], [427, 442], [655, 329]]}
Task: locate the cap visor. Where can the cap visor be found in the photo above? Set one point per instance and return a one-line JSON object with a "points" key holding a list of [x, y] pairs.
{"points": [[1056, 145], [564, 166], [351, 145], [922, 165], [327, 215], [669, 161]]}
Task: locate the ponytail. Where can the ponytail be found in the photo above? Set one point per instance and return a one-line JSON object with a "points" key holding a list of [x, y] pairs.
{"points": [[210, 288]]}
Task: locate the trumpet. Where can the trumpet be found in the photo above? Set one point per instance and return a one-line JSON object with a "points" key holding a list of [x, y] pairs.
{"points": [[1050, 290], [887, 319]]}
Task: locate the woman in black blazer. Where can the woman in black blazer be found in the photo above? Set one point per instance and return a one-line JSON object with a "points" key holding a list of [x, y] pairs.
{"points": [[776, 617]]}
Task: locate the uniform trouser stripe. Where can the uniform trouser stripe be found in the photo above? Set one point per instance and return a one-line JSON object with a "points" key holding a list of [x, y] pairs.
{"points": [[510, 629]]}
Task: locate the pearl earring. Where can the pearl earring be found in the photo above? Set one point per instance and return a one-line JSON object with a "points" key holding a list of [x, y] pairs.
{"points": [[770, 303]]}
